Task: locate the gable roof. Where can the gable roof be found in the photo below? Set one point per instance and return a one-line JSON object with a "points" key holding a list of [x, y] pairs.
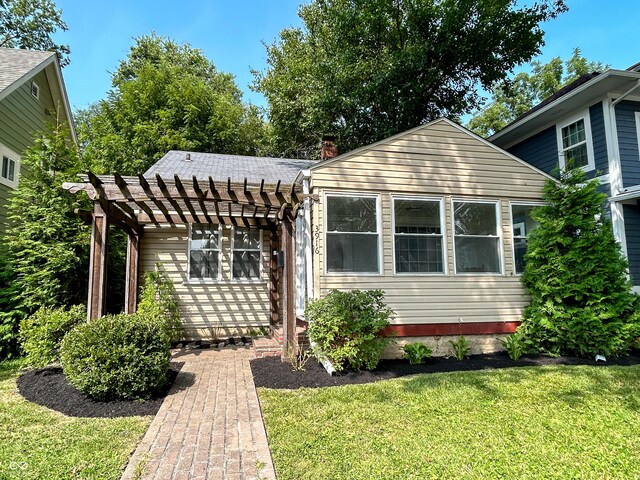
{"points": [[580, 94], [427, 126], [221, 167], [18, 66]]}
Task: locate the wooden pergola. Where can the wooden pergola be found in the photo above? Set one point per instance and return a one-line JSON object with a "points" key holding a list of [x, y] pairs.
{"points": [[134, 203]]}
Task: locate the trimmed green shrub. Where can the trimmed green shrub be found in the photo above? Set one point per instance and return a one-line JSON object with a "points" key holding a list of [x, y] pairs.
{"points": [[117, 356], [41, 333], [460, 347], [514, 345], [158, 302], [575, 274], [345, 328], [416, 353]]}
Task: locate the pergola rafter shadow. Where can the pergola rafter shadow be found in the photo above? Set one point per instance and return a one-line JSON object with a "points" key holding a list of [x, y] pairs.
{"points": [[134, 203]]}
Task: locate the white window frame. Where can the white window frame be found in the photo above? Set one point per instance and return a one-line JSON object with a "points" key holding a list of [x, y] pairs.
{"points": [[498, 206], [233, 251], [219, 250], [584, 115], [327, 195], [443, 230], [36, 87], [11, 155], [513, 237]]}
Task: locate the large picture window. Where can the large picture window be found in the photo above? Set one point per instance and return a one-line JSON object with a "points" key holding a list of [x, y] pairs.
{"points": [[246, 254], [352, 234], [204, 252], [418, 241], [523, 225], [476, 237]]}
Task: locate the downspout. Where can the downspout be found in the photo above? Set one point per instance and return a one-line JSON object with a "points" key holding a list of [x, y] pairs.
{"points": [[615, 171], [308, 258]]}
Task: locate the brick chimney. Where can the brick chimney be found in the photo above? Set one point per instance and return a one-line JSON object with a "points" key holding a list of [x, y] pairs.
{"points": [[328, 147]]}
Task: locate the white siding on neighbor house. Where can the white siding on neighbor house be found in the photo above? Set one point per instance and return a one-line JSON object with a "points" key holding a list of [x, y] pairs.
{"points": [[438, 161], [205, 308]]}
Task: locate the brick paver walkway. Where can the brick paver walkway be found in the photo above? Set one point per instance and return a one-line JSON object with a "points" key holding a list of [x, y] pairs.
{"points": [[209, 426]]}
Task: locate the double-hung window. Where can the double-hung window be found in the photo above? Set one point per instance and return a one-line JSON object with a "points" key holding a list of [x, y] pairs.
{"points": [[246, 253], [418, 239], [352, 236], [476, 237], [8, 168], [204, 252], [575, 144], [523, 225]]}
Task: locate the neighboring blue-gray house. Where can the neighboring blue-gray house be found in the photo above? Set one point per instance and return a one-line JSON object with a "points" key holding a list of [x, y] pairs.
{"points": [[596, 121]]}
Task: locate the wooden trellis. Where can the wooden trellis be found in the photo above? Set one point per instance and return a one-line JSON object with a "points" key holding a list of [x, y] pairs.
{"points": [[134, 203]]}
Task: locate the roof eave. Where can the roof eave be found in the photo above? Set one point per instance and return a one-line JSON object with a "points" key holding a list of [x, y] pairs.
{"points": [[600, 78]]}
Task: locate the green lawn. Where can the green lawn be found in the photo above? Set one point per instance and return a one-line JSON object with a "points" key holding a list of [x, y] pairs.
{"points": [[36, 442], [548, 422]]}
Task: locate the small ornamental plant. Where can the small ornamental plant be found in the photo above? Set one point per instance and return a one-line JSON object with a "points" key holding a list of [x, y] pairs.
{"points": [[158, 301], [416, 353], [514, 345], [576, 276], [345, 328], [460, 347]]}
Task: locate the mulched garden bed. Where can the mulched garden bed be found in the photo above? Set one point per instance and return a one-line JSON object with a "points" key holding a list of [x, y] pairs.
{"points": [[271, 372], [49, 387]]}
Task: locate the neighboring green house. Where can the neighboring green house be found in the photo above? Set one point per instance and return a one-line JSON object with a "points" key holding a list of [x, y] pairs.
{"points": [[32, 97]]}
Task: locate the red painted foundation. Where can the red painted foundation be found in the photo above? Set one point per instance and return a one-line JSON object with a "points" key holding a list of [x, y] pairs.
{"points": [[438, 329]]}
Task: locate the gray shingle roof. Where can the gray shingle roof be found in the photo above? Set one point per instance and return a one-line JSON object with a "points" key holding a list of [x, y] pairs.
{"points": [[16, 63], [220, 167]]}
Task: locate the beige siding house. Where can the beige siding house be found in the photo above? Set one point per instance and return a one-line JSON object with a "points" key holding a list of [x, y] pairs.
{"points": [[436, 217], [442, 201], [32, 97]]}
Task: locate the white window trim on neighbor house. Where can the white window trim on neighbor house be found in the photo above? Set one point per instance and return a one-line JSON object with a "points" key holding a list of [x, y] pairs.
{"points": [[497, 206], [257, 279], [35, 90], [13, 157], [583, 115], [217, 250], [442, 235], [378, 232], [513, 226]]}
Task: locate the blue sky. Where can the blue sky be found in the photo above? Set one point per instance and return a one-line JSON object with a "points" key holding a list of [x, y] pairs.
{"points": [[231, 35]]}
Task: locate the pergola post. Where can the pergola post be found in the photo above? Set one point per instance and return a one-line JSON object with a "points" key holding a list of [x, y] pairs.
{"points": [[133, 267], [98, 263], [289, 340]]}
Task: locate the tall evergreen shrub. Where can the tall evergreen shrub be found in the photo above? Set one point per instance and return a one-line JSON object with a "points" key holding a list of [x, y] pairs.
{"points": [[576, 275]]}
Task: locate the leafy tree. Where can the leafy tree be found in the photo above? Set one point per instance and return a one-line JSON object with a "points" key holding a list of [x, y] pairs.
{"points": [[31, 24], [581, 300], [167, 96], [47, 244], [512, 98], [367, 69]]}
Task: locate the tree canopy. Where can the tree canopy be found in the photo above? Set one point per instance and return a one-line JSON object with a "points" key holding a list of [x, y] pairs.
{"points": [[364, 70], [167, 96], [513, 97], [31, 24]]}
